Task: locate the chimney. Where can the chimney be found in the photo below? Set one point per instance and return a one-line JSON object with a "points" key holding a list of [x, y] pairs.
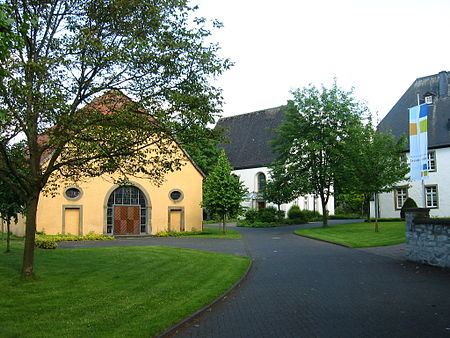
{"points": [[443, 84]]}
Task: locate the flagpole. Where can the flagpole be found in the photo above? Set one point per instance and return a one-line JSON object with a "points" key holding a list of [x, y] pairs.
{"points": [[424, 196]]}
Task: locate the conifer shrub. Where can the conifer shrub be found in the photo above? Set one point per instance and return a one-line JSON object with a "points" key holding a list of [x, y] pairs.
{"points": [[409, 203]]}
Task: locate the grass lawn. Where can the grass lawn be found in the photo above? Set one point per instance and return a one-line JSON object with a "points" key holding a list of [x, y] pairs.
{"points": [[110, 292], [359, 235]]}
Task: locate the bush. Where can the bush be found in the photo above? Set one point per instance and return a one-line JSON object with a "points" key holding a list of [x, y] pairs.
{"points": [[409, 203], [311, 215], [267, 215], [178, 234], [295, 212], [255, 224], [45, 243], [281, 214], [251, 215], [294, 221]]}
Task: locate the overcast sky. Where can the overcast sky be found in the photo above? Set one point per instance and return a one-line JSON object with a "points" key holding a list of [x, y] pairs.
{"points": [[379, 47]]}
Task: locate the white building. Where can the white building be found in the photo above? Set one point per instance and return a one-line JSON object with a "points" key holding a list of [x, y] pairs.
{"points": [[250, 153], [433, 192]]}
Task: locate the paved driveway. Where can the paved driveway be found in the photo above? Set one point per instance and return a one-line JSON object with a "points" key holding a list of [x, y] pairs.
{"points": [[300, 287]]}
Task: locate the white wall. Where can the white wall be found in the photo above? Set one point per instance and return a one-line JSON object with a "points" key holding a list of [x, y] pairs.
{"points": [[250, 179], [440, 177]]}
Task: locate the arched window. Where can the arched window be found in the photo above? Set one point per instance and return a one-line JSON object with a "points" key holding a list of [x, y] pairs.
{"points": [[261, 181], [127, 195]]}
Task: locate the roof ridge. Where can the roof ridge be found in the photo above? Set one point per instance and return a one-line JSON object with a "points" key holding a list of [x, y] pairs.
{"points": [[253, 112]]}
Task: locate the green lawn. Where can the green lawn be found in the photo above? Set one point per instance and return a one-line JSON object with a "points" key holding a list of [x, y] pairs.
{"points": [[110, 292], [359, 235]]}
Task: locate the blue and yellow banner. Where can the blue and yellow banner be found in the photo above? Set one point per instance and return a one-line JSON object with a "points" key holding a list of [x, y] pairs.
{"points": [[418, 141]]}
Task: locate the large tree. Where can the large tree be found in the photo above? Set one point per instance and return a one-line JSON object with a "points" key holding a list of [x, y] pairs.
{"points": [[310, 140], [223, 192], [373, 164], [72, 51]]}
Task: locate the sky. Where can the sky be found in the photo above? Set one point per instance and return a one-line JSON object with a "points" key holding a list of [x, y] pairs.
{"points": [[377, 47]]}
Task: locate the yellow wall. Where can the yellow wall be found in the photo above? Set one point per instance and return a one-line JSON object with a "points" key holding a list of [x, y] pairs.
{"points": [[96, 192], [53, 212]]}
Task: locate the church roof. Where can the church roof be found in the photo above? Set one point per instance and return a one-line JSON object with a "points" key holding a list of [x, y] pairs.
{"points": [[437, 86], [248, 136]]}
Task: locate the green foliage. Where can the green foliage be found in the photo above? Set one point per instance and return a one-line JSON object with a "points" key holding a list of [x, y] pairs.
{"points": [[73, 52], [223, 192], [373, 163], [203, 148], [311, 139], [312, 215], [256, 224], [277, 190], [89, 291], [294, 212], [45, 243], [409, 203], [251, 215], [71, 238], [267, 215], [177, 233]]}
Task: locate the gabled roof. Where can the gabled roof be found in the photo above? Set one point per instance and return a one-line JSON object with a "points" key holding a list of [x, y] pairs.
{"points": [[397, 120], [248, 137]]}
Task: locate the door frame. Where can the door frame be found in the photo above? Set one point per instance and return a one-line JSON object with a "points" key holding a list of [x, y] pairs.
{"points": [[169, 223], [80, 220]]}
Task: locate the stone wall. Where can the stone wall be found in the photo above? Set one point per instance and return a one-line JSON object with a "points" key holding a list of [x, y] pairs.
{"points": [[427, 239]]}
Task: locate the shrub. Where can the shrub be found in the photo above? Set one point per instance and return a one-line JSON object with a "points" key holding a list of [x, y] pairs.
{"points": [[177, 234], [295, 212], [281, 214], [294, 221], [45, 243], [311, 215], [251, 215], [267, 215], [409, 203]]}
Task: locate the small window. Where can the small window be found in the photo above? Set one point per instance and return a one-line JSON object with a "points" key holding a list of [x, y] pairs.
{"points": [[429, 99], [431, 161], [400, 196], [72, 193], [176, 195], [431, 193]]}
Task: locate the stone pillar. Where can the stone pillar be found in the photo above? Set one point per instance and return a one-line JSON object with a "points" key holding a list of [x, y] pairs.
{"points": [[413, 213]]}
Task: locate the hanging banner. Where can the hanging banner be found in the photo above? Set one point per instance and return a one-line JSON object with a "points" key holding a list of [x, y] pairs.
{"points": [[418, 141]]}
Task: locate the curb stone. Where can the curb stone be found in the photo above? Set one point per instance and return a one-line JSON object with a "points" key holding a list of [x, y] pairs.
{"points": [[174, 328]]}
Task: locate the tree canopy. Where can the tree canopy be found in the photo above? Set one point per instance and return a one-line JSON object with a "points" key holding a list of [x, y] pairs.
{"points": [[310, 140], [373, 163], [72, 51], [223, 192]]}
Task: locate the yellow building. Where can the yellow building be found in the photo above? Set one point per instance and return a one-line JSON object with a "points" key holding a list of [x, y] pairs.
{"points": [[138, 208]]}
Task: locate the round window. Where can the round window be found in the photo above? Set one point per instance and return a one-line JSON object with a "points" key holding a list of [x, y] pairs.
{"points": [[72, 193], [176, 195]]}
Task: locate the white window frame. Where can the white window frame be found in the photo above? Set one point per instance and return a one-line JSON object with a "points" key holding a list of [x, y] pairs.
{"points": [[431, 162], [430, 191], [400, 196], [429, 99]]}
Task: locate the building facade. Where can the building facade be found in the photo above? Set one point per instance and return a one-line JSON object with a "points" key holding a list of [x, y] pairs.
{"points": [[250, 153], [434, 191]]}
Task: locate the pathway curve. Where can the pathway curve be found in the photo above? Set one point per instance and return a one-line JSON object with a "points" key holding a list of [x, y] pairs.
{"points": [[300, 287]]}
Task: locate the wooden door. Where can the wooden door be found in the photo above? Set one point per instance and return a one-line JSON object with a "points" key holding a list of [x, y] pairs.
{"points": [[127, 220], [175, 220], [72, 221]]}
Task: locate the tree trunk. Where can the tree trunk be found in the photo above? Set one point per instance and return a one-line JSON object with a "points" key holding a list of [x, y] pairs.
{"points": [[324, 211], [8, 236], [223, 224], [30, 235]]}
